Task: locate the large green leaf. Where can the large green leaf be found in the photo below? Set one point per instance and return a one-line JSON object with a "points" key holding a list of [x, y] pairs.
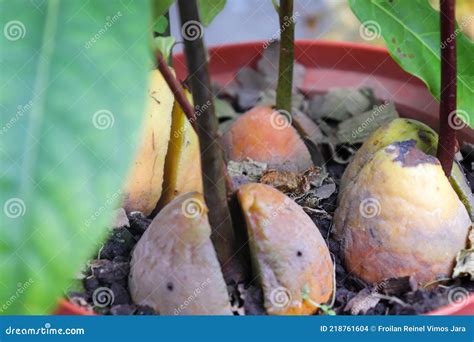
{"points": [[73, 81], [160, 7], [208, 9], [411, 32]]}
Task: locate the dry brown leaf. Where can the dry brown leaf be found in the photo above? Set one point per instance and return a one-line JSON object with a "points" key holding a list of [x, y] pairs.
{"points": [[465, 259]]}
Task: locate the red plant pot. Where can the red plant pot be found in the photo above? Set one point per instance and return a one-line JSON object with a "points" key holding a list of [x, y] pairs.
{"points": [[329, 65]]}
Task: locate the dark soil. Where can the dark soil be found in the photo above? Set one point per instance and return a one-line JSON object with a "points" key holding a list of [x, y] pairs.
{"points": [[111, 268], [108, 273], [105, 281]]}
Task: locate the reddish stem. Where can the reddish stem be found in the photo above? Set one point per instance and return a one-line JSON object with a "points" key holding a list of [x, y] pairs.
{"points": [[177, 89], [447, 107]]}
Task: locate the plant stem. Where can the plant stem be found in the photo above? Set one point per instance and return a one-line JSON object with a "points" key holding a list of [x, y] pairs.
{"points": [[177, 89], [222, 234], [447, 107], [285, 66]]}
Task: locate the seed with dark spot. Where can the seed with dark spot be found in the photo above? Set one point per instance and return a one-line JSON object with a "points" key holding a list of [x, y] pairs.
{"points": [[169, 286]]}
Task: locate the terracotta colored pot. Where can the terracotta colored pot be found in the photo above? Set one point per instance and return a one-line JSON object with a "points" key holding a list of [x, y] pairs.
{"points": [[329, 65]]}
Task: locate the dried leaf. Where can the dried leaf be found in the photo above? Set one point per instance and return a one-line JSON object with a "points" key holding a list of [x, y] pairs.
{"points": [[268, 67], [465, 259], [307, 188], [343, 154], [340, 104], [247, 171], [247, 98], [362, 302], [397, 286], [325, 191], [358, 128], [250, 78], [307, 127], [268, 98], [285, 181]]}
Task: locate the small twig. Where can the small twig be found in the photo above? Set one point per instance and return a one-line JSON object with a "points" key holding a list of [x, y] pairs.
{"points": [[286, 60], [177, 89], [447, 106], [436, 281], [390, 298]]}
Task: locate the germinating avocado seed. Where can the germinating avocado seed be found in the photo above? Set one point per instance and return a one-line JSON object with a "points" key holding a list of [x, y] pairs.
{"points": [[426, 140], [174, 267], [266, 135], [289, 255], [401, 217]]}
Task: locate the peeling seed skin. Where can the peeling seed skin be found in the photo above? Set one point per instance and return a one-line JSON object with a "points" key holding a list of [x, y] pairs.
{"points": [[402, 130], [183, 159], [174, 267], [416, 226], [398, 129], [259, 135], [144, 183], [287, 250], [408, 155]]}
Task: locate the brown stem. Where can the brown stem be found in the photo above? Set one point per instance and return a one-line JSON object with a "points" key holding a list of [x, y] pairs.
{"points": [[447, 107], [177, 89], [211, 153], [285, 67]]}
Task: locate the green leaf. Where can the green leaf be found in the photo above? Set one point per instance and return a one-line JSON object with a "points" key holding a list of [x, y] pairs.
{"points": [[164, 45], [160, 7], [208, 9], [412, 34], [276, 6], [73, 86], [160, 25]]}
